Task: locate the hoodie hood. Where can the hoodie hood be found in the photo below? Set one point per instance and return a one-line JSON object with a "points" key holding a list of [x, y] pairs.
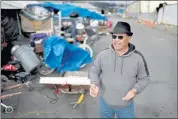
{"points": [[128, 53]]}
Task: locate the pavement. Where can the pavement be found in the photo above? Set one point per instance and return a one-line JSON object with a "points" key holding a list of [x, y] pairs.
{"points": [[158, 100]]}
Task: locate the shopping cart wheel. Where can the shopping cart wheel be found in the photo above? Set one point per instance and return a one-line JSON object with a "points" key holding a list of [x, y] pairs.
{"points": [[8, 110]]}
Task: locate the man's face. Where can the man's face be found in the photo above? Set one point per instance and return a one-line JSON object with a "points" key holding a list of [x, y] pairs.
{"points": [[120, 41]]}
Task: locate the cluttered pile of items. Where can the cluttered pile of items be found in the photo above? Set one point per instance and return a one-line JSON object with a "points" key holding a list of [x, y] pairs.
{"points": [[58, 40]]}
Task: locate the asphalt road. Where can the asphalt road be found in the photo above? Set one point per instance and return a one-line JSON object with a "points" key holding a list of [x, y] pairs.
{"points": [[158, 100]]}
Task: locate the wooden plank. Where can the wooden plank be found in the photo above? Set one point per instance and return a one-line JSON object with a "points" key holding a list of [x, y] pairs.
{"points": [[76, 73], [72, 80]]}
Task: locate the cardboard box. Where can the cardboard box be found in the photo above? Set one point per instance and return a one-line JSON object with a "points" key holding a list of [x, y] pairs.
{"points": [[38, 48]]}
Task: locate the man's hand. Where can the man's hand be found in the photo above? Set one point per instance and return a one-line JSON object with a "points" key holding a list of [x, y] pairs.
{"points": [[131, 94], [94, 90]]}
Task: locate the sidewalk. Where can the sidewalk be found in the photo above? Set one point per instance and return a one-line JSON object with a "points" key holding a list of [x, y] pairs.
{"points": [[168, 29]]}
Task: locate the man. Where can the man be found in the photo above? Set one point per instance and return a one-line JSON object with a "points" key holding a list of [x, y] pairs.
{"points": [[120, 73]]}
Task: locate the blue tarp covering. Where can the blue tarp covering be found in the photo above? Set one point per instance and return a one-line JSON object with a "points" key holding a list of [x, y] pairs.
{"points": [[60, 54], [67, 9], [121, 11]]}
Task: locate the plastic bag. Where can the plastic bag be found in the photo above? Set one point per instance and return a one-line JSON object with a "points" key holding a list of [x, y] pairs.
{"points": [[60, 54], [36, 12]]}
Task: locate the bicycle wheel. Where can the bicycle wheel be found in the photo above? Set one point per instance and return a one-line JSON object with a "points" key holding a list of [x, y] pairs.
{"points": [[43, 69], [87, 48]]}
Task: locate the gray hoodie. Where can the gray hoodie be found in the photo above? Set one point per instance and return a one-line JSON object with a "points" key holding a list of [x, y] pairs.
{"points": [[116, 75]]}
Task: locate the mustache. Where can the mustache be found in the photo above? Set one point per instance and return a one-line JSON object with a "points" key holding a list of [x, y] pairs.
{"points": [[116, 43]]}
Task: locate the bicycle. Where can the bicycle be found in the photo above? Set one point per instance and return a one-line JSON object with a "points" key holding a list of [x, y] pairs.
{"points": [[82, 44]]}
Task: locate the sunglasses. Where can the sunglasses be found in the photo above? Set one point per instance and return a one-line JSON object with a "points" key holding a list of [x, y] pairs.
{"points": [[119, 37]]}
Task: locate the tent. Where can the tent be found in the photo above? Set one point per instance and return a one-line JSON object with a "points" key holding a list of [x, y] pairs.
{"points": [[67, 9]]}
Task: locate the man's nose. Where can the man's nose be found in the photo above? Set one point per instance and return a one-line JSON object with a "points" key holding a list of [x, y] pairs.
{"points": [[117, 40]]}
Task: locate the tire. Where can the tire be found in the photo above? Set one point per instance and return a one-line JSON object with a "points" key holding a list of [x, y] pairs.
{"points": [[86, 47], [45, 70]]}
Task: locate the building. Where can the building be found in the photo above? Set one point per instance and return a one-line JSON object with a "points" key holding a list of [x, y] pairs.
{"points": [[149, 10], [168, 15], [146, 6]]}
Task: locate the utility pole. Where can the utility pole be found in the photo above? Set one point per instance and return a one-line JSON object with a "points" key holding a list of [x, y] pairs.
{"points": [[139, 8], [148, 6], [164, 4]]}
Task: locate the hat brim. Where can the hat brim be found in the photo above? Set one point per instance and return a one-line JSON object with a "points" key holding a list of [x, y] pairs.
{"points": [[128, 33]]}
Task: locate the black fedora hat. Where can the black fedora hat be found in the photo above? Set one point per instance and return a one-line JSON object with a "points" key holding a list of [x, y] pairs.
{"points": [[122, 27]]}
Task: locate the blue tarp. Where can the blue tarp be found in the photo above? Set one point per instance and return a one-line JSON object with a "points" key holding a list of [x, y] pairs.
{"points": [[121, 11], [67, 9], [60, 54]]}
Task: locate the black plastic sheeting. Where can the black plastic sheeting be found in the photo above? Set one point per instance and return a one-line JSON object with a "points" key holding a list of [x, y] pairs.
{"points": [[160, 6], [10, 24]]}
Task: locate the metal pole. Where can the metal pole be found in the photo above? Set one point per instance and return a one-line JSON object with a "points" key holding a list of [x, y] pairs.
{"points": [[139, 10], [149, 6], [126, 9]]}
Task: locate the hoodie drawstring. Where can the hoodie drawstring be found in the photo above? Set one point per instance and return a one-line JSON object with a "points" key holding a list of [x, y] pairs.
{"points": [[122, 64], [129, 52]]}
